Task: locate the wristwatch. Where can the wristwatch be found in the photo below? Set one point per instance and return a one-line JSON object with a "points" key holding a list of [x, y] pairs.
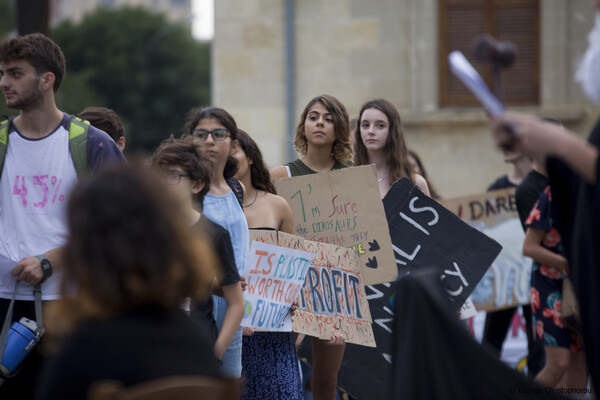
{"points": [[46, 267]]}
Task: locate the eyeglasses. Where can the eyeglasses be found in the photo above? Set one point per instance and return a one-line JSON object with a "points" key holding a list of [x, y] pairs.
{"points": [[217, 134], [173, 178]]}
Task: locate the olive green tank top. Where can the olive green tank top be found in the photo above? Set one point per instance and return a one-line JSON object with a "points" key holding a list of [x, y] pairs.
{"points": [[297, 167]]}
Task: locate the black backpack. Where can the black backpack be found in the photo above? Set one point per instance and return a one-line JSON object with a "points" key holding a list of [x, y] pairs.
{"points": [[236, 186]]}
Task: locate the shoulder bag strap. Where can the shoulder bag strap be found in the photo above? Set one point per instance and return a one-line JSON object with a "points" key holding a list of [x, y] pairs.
{"points": [[7, 322]]}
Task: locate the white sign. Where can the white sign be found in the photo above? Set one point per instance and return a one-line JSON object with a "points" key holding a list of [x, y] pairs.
{"points": [[275, 276]]}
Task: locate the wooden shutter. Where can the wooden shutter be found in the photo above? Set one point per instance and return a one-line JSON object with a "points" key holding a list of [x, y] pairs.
{"points": [[462, 21]]}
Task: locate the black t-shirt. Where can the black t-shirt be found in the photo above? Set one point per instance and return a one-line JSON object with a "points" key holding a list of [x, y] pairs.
{"points": [[501, 183], [528, 192], [141, 345], [228, 273]]}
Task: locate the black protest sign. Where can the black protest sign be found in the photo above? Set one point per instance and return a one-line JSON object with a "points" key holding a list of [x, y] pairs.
{"points": [[365, 371], [423, 234]]}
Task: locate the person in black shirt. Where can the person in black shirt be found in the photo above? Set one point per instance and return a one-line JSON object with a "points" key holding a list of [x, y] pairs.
{"points": [[221, 242], [521, 167], [498, 322], [573, 167], [188, 174]]}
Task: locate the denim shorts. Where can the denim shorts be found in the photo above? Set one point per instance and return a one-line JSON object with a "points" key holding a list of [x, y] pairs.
{"points": [[232, 359]]}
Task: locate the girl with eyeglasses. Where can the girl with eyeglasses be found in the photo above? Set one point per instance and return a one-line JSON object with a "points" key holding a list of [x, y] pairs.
{"points": [[323, 140], [216, 131]]}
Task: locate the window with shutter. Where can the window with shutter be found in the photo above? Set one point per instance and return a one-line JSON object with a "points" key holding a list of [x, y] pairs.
{"points": [[462, 21]]}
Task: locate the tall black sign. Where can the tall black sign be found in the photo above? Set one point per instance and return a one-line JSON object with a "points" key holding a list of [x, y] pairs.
{"points": [[424, 234]]}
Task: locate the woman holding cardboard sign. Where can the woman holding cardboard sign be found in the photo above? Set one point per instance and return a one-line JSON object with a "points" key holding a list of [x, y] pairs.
{"points": [[323, 140], [269, 359], [379, 140]]}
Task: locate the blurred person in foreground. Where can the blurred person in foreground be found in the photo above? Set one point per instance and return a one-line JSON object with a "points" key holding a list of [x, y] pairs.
{"points": [[572, 166], [130, 261]]}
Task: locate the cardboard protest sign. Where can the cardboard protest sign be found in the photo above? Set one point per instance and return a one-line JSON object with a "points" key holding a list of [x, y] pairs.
{"points": [[507, 282], [423, 234], [343, 208], [332, 299], [265, 236], [277, 238], [275, 276]]}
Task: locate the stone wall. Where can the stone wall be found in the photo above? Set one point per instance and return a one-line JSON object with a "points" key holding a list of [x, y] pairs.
{"points": [[357, 50]]}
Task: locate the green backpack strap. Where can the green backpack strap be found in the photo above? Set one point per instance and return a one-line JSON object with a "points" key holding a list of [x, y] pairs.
{"points": [[4, 127], [78, 130], [78, 135]]}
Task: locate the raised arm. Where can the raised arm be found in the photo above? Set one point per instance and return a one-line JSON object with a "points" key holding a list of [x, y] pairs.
{"points": [[539, 139]]}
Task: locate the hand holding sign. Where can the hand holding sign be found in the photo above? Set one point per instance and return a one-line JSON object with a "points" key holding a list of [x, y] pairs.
{"points": [[332, 302]]}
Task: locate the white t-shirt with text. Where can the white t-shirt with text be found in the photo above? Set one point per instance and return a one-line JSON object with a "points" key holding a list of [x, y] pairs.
{"points": [[37, 178]]}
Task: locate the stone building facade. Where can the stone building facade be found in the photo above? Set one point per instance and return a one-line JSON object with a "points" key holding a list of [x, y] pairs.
{"points": [[358, 50]]}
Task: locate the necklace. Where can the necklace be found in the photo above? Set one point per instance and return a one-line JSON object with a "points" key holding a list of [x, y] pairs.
{"points": [[253, 201], [379, 180]]}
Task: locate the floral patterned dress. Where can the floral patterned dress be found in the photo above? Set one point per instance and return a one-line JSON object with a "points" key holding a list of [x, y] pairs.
{"points": [[546, 284]]}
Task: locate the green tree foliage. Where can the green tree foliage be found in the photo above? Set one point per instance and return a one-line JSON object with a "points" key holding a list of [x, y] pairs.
{"points": [[133, 61]]}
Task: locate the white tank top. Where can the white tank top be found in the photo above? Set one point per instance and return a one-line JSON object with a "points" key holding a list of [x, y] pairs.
{"points": [[37, 178]]}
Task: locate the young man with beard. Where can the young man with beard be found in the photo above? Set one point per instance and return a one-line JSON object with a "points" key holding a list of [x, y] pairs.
{"points": [[573, 167], [37, 174]]}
